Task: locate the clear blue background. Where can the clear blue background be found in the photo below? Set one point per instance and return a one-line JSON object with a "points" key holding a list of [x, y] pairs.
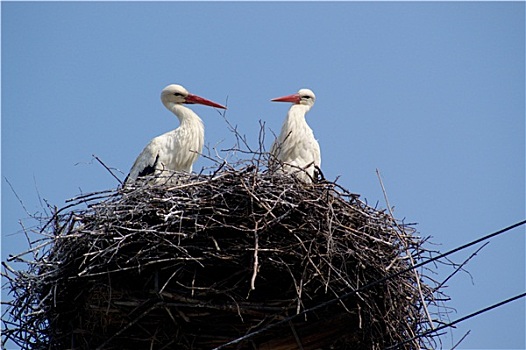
{"points": [[431, 94]]}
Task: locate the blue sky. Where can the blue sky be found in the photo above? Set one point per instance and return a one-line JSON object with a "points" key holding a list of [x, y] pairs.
{"points": [[432, 94]]}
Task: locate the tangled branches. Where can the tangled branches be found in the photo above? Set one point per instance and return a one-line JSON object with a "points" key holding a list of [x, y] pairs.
{"points": [[211, 258]]}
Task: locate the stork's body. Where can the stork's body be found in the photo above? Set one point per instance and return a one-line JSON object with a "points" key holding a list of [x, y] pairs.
{"points": [[176, 150], [296, 146]]}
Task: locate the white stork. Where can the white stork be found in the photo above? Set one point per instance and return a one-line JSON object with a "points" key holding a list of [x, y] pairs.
{"points": [[296, 146], [176, 150]]}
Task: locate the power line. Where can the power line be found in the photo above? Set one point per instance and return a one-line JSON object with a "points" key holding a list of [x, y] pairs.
{"points": [[371, 284], [447, 325]]}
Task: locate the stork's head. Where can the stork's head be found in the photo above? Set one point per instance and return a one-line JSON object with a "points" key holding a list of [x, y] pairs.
{"points": [[302, 97], [176, 94]]}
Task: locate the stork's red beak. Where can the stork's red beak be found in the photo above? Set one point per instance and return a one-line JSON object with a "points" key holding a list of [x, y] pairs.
{"points": [[294, 98], [190, 99]]}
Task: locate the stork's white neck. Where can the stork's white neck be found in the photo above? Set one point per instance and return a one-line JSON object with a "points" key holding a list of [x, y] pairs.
{"points": [[298, 111], [183, 113], [295, 122]]}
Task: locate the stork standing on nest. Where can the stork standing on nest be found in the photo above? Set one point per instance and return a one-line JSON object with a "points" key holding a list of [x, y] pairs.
{"points": [[296, 148], [176, 150]]}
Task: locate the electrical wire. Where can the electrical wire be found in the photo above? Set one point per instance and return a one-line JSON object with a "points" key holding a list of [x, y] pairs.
{"points": [[375, 282], [450, 324]]}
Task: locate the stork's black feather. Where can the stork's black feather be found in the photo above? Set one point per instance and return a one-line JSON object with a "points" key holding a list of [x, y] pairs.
{"points": [[150, 169]]}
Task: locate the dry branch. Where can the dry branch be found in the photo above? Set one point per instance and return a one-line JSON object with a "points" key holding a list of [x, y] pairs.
{"points": [[207, 260]]}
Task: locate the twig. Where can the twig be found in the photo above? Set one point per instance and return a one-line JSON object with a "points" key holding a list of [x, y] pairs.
{"points": [[109, 170], [460, 341], [408, 254], [256, 260]]}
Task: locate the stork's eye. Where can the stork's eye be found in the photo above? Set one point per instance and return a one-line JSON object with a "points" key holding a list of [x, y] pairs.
{"points": [[178, 94]]}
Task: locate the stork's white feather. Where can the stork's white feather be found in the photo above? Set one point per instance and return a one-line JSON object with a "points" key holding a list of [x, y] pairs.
{"points": [[176, 150], [296, 147]]}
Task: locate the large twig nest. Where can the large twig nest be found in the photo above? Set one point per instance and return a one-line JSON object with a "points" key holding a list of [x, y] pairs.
{"points": [[212, 258]]}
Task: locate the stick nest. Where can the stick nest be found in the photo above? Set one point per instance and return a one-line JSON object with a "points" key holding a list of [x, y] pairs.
{"points": [[240, 255]]}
